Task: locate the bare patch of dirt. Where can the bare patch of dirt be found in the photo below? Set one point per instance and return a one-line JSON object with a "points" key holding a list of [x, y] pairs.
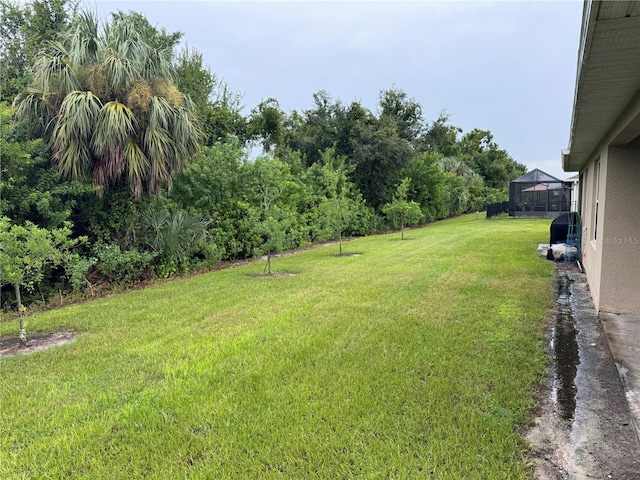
{"points": [[274, 275], [10, 346]]}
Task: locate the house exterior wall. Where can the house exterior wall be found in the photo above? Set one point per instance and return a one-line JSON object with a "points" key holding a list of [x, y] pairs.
{"points": [[620, 271], [605, 136], [591, 253], [611, 255]]}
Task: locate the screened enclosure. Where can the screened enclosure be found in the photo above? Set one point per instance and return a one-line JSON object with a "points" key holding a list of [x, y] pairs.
{"points": [[538, 194]]}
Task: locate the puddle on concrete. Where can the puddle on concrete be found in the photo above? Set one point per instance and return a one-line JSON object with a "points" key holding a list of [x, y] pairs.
{"points": [[566, 357]]}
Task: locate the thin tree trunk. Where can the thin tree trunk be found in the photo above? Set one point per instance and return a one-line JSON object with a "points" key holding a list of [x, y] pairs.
{"points": [[268, 264], [23, 329], [402, 228], [340, 237]]}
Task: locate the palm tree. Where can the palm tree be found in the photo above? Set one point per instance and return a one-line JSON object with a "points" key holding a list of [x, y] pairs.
{"points": [[105, 99], [174, 236]]}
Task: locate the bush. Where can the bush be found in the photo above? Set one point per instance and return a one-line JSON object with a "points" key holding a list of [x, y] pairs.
{"points": [[122, 266], [176, 237], [77, 268]]}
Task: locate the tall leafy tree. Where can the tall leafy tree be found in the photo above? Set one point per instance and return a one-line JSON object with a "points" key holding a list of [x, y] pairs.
{"points": [[402, 211], [377, 146], [493, 164], [379, 155], [104, 97], [427, 185], [266, 123], [13, 59], [29, 189], [441, 137], [23, 29], [217, 105], [315, 130], [214, 186], [403, 112], [466, 191]]}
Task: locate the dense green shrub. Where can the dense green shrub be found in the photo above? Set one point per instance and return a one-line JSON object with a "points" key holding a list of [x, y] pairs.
{"points": [[121, 267], [176, 237]]}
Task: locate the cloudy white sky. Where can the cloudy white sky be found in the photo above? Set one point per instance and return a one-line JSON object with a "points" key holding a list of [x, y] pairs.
{"points": [[508, 67]]}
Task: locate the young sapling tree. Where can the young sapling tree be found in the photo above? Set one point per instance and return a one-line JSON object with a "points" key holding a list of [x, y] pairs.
{"points": [[337, 208], [25, 251], [402, 211], [271, 221]]}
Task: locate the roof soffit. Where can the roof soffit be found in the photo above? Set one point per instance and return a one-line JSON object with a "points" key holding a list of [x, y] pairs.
{"points": [[609, 76]]}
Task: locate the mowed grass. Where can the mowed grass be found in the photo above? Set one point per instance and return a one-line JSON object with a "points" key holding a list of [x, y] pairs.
{"points": [[417, 359]]}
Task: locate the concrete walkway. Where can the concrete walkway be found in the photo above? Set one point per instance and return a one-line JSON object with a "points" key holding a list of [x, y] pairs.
{"points": [[623, 333], [589, 431]]}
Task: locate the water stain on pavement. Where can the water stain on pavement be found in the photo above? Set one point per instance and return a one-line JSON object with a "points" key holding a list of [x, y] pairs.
{"points": [[582, 428], [565, 352]]}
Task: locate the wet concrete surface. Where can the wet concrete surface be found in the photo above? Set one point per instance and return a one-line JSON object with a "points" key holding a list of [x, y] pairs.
{"points": [[564, 345], [623, 333], [584, 427]]}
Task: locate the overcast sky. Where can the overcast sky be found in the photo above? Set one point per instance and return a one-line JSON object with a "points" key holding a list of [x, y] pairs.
{"points": [[508, 67]]}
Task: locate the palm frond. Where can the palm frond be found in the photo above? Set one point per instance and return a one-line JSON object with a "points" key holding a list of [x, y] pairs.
{"points": [[136, 165], [158, 64], [154, 221], [174, 235], [185, 135], [126, 53], [72, 134], [83, 39], [121, 70], [73, 159], [77, 116], [124, 38], [161, 115], [115, 125], [34, 105], [171, 136], [115, 164], [160, 150], [54, 70]]}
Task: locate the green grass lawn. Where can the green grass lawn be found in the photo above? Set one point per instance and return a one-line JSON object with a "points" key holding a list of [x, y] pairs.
{"points": [[416, 359]]}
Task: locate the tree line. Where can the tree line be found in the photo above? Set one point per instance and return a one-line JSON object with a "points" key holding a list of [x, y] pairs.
{"points": [[123, 158]]}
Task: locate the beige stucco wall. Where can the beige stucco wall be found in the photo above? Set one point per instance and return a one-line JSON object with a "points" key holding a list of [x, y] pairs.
{"points": [[620, 271], [591, 253], [612, 260]]}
